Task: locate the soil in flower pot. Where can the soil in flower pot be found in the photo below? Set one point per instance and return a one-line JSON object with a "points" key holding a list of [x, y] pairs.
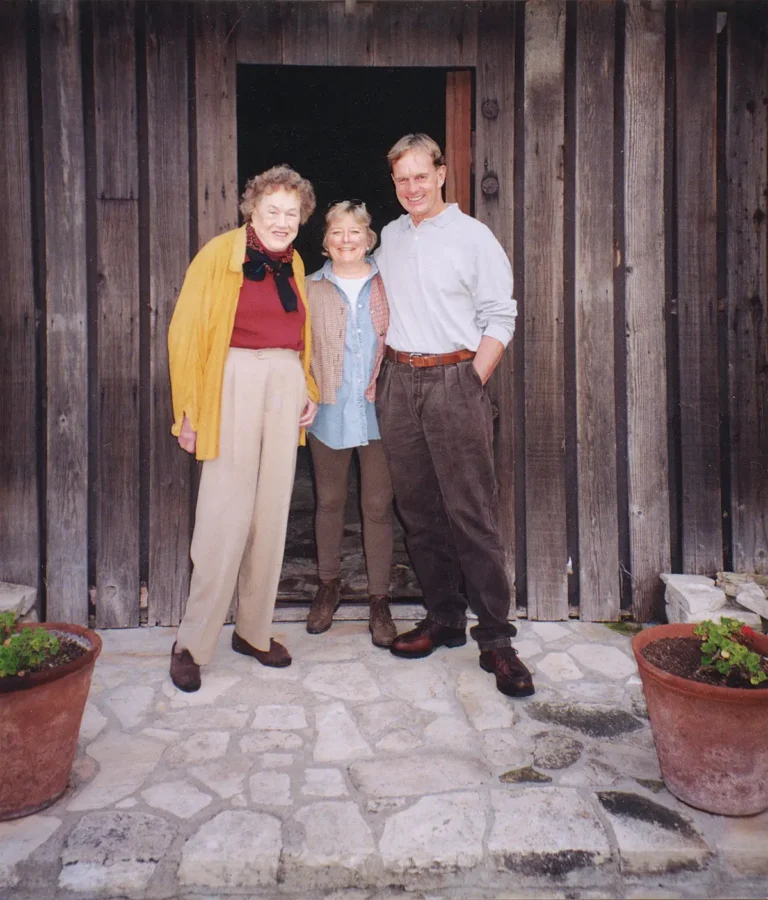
{"points": [[681, 656]]}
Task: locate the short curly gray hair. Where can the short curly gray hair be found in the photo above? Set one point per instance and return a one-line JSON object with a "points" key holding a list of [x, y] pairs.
{"points": [[359, 212], [273, 179]]}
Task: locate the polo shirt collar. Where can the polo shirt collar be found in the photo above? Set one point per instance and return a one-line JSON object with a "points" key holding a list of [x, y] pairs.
{"points": [[447, 216]]}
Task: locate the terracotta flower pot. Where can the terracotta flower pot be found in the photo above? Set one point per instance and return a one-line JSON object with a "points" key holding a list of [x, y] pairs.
{"points": [[712, 742], [40, 717]]}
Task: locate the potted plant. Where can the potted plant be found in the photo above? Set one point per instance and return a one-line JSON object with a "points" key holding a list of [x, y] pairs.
{"points": [[45, 675], [706, 689]]}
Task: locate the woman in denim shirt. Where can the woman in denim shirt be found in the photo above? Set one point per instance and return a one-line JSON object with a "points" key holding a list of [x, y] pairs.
{"points": [[349, 321]]}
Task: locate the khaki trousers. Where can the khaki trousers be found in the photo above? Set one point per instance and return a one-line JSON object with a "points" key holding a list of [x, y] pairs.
{"points": [[244, 499]]}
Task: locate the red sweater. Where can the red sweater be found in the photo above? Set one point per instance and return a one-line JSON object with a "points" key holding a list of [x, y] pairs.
{"points": [[260, 320]]}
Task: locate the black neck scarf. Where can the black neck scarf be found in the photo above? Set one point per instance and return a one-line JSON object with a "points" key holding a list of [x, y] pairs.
{"points": [[258, 261]]}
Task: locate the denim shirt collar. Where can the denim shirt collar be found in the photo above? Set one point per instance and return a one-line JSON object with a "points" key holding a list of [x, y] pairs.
{"points": [[327, 271]]}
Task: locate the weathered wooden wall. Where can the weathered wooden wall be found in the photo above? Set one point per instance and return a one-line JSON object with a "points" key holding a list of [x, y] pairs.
{"points": [[621, 159]]}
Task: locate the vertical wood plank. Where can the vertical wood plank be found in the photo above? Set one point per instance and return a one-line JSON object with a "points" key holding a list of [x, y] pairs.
{"points": [[425, 34], [648, 464], [494, 149], [215, 121], [544, 337], [66, 314], [260, 34], [350, 37], [458, 138], [19, 530], [168, 178], [117, 322], [696, 46], [305, 34], [114, 63], [747, 257], [599, 595]]}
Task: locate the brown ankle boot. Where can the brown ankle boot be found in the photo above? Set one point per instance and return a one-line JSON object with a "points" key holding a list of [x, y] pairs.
{"points": [[324, 605], [381, 626], [185, 672]]}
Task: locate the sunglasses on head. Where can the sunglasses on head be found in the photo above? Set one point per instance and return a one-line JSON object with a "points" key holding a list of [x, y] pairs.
{"points": [[353, 203]]}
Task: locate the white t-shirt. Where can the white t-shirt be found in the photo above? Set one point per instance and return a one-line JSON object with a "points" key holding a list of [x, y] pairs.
{"points": [[352, 288]]}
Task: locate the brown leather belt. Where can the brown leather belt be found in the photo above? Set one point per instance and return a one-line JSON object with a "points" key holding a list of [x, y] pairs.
{"points": [[425, 360]]}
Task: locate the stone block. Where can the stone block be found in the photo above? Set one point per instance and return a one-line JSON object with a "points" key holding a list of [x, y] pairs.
{"points": [[126, 761], [556, 750], [114, 852], [130, 703], [676, 613], [176, 797], [559, 667], [279, 718], [253, 843], [484, 706], [416, 775], [744, 845], [198, 748], [694, 594], [335, 835], [323, 783], [337, 735], [437, 834], [752, 597], [270, 789], [17, 598], [562, 832], [224, 777], [652, 838], [608, 661], [19, 839], [349, 681]]}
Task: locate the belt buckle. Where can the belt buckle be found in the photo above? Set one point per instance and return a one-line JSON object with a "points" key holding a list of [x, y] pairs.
{"points": [[410, 359]]}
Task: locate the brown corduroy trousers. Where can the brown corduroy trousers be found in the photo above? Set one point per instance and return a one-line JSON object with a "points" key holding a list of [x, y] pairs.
{"points": [[244, 499]]}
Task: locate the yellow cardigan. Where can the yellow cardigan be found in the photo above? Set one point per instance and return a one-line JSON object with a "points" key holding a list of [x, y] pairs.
{"points": [[200, 332]]}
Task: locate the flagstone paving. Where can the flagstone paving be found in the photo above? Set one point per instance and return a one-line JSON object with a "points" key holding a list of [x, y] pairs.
{"points": [[355, 775]]}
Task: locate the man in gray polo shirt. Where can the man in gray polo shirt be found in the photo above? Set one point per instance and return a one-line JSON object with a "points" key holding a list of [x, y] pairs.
{"points": [[449, 285]]}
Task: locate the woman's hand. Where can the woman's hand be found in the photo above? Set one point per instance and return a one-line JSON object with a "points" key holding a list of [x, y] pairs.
{"points": [[188, 437], [308, 414]]}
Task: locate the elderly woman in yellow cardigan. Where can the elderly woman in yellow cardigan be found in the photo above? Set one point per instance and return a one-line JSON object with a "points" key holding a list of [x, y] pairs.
{"points": [[239, 347]]}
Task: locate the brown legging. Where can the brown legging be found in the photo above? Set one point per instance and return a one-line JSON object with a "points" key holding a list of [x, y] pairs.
{"points": [[332, 483]]}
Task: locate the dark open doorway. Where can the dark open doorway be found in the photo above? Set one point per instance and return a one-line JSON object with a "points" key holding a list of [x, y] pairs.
{"points": [[334, 126]]}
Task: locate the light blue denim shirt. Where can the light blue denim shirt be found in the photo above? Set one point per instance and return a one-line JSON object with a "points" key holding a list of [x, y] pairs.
{"points": [[351, 420]]}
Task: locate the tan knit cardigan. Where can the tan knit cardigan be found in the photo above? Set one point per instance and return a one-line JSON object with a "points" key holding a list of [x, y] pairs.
{"points": [[329, 327]]}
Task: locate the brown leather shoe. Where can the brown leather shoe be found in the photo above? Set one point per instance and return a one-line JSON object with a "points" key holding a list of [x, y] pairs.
{"points": [[324, 605], [277, 656], [185, 672], [426, 637], [512, 677], [381, 626]]}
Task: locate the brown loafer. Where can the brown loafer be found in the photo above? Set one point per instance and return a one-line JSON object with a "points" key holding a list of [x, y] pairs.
{"points": [[512, 677], [277, 656], [185, 672], [381, 626], [325, 604], [426, 637]]}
